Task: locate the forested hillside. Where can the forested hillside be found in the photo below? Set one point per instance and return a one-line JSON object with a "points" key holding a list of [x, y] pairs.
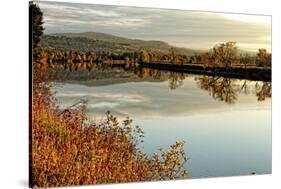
{"points": [[93, 41]]}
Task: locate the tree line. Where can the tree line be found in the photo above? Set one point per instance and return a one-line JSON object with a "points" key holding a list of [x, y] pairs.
{"points": [[221, 55]]}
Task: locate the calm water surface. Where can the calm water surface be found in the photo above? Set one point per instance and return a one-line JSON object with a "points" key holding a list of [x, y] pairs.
{"points": [[226, 123]]}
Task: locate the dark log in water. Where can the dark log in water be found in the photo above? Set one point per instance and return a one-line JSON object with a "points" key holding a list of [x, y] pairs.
{"points": [[257, 74]]}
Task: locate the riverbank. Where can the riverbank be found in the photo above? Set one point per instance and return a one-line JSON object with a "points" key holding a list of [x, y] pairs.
{"points": [[251, 73]]}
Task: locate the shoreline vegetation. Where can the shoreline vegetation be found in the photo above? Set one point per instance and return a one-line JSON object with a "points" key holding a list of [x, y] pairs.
{"points": [[222, 60], [66, 148]]}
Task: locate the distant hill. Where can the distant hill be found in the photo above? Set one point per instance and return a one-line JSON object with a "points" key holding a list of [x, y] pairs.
{"points": [[99, 36], [94, 41]]}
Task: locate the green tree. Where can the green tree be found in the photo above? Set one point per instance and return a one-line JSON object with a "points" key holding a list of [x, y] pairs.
{"points": [[36, 21]]}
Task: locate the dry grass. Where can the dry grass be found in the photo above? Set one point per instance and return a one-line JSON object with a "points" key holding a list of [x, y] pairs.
{"points": [[68, 149]]}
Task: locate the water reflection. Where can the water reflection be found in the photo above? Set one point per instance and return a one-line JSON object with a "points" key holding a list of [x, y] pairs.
{"points": [[263, 90], [226, 89], [176, 80], [222, 89], [219, 88], [207, 112]]}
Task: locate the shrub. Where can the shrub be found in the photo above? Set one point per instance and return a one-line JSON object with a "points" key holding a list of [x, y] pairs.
{"points": [[68, 149]]}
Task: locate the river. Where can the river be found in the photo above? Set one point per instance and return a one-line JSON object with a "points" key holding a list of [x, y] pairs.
{"points": [[226, 123]]}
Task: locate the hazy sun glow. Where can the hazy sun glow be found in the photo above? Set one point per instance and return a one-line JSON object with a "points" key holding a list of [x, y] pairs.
{"points": [[256, 19]]}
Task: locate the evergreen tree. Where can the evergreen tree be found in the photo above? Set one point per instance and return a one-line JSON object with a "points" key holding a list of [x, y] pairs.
{"points": [[36, 21]]}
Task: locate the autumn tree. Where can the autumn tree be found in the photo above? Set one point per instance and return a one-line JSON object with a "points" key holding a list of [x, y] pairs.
{"points": [[263, 58], [164, 58], [225, 54], [185, 59], [206, 59], [144, 56], [196, 59], [246, 60], [173, 55]]}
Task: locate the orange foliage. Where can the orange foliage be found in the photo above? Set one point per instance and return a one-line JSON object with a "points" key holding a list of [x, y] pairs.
{"points": [[68, 149]]}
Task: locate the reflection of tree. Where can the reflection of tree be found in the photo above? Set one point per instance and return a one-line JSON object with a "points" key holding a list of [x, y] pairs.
{"points": [[146, 72], [176, 80], [142, 72], [155, 74], [222, 89], [245, 88], [263, 91], [226, 89]]}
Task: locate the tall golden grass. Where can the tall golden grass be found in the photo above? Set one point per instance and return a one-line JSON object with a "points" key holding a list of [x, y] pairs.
{"points": [[69, 149]]}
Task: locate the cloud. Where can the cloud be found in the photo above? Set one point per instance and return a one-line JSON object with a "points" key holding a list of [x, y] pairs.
{"points": [[192, 29], [103, 13]]}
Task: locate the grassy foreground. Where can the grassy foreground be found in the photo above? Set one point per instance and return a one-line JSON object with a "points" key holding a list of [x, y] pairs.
{"points": [[68, 149]]}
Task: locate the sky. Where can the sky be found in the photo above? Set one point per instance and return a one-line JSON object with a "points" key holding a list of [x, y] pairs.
{"points": [[181, 28]]}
